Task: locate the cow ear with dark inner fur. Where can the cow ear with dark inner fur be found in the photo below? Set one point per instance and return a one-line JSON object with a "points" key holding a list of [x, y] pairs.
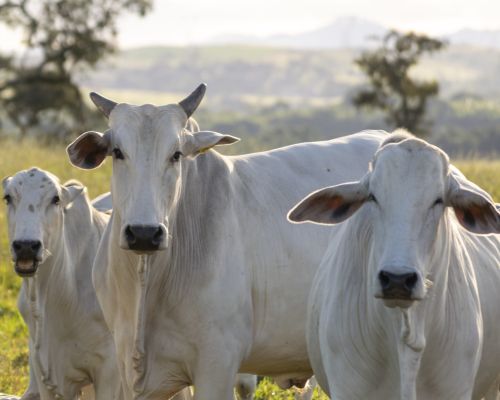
{"points": [[330, 205], [474, 208], [89, 150]]}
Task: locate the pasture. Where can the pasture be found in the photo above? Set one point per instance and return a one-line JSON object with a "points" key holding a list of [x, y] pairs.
{"points": [[13, 333]]}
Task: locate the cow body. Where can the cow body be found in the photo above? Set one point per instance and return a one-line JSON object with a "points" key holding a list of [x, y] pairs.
{"points": [[435, 336], [70, 345], [222, 294], [223, 291]]}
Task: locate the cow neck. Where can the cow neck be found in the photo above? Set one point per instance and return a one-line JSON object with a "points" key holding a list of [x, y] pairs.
{"points": [[57, 275], [450, 277], [132, 268], [203, 204]]}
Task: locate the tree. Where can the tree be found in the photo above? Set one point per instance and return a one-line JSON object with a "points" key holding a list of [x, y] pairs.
{"points": [[62, 38], [392, 89]]}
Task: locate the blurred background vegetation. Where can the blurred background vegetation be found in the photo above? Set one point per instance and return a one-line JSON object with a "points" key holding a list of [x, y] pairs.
{"points": [[267, 95]]}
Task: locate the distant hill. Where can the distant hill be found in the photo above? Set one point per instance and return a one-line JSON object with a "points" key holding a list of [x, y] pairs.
{"points": [[479, 38], [346, 32], [242, 76], [352, 33]]}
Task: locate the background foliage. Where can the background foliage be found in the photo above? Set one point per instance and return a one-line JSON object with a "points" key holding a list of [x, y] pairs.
{"points": [[62, 38]]}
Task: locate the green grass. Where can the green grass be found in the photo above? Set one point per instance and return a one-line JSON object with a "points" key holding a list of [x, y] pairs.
{"points": [[13, 333]]}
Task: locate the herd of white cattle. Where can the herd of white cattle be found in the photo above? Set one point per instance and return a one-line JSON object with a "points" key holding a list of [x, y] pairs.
{"points": [[189, 273]]}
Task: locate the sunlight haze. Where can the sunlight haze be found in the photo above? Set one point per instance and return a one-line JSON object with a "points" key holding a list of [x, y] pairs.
{"points": [[180, 22]]}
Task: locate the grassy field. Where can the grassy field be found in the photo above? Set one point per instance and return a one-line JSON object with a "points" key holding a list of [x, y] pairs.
{"points": [[13, 333]]}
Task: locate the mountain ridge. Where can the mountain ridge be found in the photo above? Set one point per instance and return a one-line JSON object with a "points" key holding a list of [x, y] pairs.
{"points": [[352, 32]]}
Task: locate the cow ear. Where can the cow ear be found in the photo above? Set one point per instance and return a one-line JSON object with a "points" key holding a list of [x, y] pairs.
{"points": [[330, 205], [6, 181], [199, 142], [474, 208], [89, 149], [70, 191]]}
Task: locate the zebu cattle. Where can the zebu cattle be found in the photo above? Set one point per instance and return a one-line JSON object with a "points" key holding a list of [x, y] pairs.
{"points": [[198, 273], [54, 233], [405, 304]]}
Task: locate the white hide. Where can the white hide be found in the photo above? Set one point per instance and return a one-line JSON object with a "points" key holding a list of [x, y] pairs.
{"points": [[227, 291], [70, 345], [442, 343]]}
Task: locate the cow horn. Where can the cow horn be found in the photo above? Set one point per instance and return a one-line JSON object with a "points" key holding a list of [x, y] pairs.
{"points": [[102, 103], [191, 103]]}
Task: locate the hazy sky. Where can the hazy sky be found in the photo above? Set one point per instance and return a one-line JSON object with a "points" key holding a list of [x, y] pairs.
{"points": [[194, 21]]}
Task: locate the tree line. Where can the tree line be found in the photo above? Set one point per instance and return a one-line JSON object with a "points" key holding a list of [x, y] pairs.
{"points": [[65, 37]]}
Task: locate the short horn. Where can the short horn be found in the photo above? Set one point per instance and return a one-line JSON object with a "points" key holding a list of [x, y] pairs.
{"points": [[102, 103], [191, 103]]}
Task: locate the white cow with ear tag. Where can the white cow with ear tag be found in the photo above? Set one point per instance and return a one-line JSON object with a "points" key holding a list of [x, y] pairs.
{"points": [[54, 232], [405, 304], [199, 274]]}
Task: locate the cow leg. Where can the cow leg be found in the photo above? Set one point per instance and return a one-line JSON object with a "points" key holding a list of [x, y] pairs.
{"points": [[245, 386], [215, 382], [308, 391], [107, 385]]}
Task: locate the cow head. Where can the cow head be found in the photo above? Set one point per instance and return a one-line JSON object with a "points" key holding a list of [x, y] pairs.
{"points": [[36, 202], [149, 146], [408, 189]]}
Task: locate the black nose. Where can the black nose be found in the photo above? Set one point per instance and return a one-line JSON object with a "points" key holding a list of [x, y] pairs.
{"points": [[26, 249], [399, 286], [143, 238]]}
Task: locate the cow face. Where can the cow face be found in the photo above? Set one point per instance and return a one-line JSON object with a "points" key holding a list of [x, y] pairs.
{"points": [[150, 146], [407, 191], [35, 202]]}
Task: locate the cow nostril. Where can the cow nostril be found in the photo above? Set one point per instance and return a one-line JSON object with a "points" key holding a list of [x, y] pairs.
{"points": [[16, 245], [129, 235], [36, 246], [384, 279], [158, 236], [411, 281]]}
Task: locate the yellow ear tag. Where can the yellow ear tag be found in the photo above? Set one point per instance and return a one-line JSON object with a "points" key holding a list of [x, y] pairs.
{"points": [[204, 150]]}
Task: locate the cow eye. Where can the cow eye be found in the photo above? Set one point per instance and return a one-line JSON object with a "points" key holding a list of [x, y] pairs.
{"points": [[371, 197], [55, 200], [438, 201], [117, 154], [177, 156], [7, 199]]}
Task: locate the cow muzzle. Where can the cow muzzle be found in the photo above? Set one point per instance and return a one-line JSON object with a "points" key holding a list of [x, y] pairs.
{"points": [[145, 238], [27, 256], [398, 286]]}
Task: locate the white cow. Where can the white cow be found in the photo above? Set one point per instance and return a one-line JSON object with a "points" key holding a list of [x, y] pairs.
{"points": [[54, 233], [198, 273], [405, 304]]}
